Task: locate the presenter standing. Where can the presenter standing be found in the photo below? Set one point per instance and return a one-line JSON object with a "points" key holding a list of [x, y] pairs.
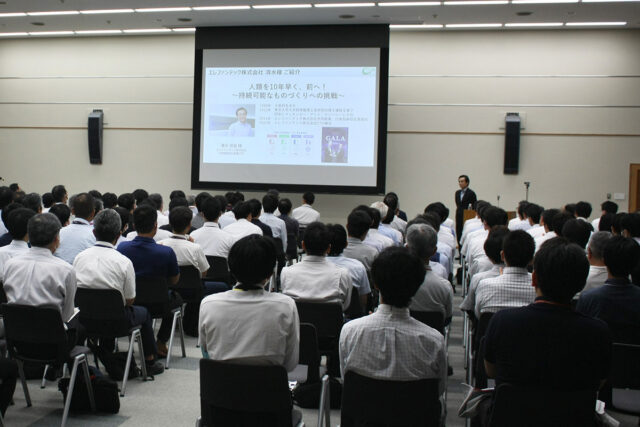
{"points": [[464, 197]]}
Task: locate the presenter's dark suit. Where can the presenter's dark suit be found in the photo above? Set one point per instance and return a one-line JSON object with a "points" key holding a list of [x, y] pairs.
{"points": [[468, 198]]}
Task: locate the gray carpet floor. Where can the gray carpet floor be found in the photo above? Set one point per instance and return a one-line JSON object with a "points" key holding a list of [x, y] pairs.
{"points": [[172, 399]]}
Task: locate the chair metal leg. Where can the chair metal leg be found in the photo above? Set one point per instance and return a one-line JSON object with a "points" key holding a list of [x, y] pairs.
{"points": [[27, 397], [143, 362], [87, 380], [184, 351], [44, 377], [173, 330], [324, 408], [72, 383], [127, 366]]}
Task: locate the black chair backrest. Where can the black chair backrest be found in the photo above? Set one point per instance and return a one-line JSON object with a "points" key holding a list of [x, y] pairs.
{"points": [[373, 402], [292, 245], [35, 334], [435, 319], [102, 312], [190, 278], [481, 329], [327, 319], [244, 395], [3, 294], [153, 293], [355, 309], [520, 406], [625, 366], [218, 270], [309, 354]]}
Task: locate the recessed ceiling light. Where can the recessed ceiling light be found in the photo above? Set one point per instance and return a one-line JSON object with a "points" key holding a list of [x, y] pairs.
{"points": [[542, 1], [491, 25], [281, 6], [54, 12], [414, 26], [609, 1], [595, 24], [184, 30], [164, 9], [11, 15], [410, 3], [243, 7], [344, 4], [475, 3], [13, 34], [147, 30], [533, 24], [104, 11], [51, 33], [88, 32]]}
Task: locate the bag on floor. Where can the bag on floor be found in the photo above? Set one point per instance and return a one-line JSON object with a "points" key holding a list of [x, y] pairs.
{"points": [[115, 364], [307, 395], [105, 392]]}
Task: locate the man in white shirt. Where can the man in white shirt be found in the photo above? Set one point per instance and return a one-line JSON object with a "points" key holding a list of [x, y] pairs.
{"points": [[358, 224], [77, 236], [278, 226], [305, 214], [606, 207], [385, 223], [6, 197], [228, 217], [187, 252], [435, 293], [314, 278], [243, 226], [389, 344], [534, 213], [37, 277], [102, 267], [520, 222], [491, 217], [156, 198], [583, 211], [513, 288], [247, 325], [212, 239], [359, 278], [17, 224], [546, 220], [595, 254], [374, 238]]}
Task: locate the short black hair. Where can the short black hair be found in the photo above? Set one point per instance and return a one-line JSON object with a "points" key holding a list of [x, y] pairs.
{"points": [[32, 201], [631, 223], [439, 208], [284, 206], [256, 207], [156, 198], [522, 206], [178, 201], [391, 200], [83, 206], [252, 259], [242, 210], [180, 218], [559, 220], [61, 211], [140, 195], [58, 192], [433, 219], [606, 221], [518, 247], [269, 203], [233, 198], [7, 210], [609, 207], [358, 223], [241, 109], [177, 193], [96, 194], [200, 198], [109, 200], [47, 200], [621, 256], [337, 239], [125, 216], [309, 197], [547, 217], [495, 216], [466, 178], [493, 244], [17, 222], [127, 201], [561, 269], [14, 187], [375, 218], [570, 208], [211, 209], [43, 229], [397, 274], [534, 211], [616, 226], [144, 218], [316, 239], [577, 231], [583, 209]]}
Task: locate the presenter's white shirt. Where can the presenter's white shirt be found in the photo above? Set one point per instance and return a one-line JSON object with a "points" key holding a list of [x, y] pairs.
{"points": [[213, 240], [305, 215]]}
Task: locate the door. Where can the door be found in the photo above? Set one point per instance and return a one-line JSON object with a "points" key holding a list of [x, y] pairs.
{"points": [[634, 187]]}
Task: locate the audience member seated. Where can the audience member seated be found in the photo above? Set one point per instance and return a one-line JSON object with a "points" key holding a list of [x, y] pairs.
{"points": [[435, 293], [242, 227], [577, 231], [59, 194], [583, 211], [174, 203], [389, 344], [630, 226], [256, 209], [109, 200], [228, 217], [156, 198], [547, 345], [198, 219], [17, 222], [263, 327], [277, 226], [512, 288], [63, 213], [5, 239], [33, 201], [617, 302], [546, 221], [607, 207], [315, 279], [473, 224], [125, 217], [304, 213], [374, 238], [595, 254], [78, 236], [359, 278], [187, 252], [6, 197], [392, 201], [358, 224], [160, 233], [534, 213], [102, 267], [605, 222], [446, 234], [293, 227], [385, 228], [440, 259], [493, 251], [212, 239], [491, 217], [520, 222], [152, 260], [37, 277]]}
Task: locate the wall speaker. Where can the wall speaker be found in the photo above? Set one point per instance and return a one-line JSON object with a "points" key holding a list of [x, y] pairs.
{"points": [[94, 128], [512, 143]]}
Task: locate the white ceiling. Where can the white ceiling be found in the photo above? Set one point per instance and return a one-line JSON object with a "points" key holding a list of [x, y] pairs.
{"points": [[441, 14]]}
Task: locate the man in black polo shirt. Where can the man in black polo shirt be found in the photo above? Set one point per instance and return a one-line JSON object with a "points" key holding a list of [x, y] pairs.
{"points": [[546, 344]]}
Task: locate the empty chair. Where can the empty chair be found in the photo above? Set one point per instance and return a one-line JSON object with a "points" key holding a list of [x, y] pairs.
{"points": [[308, 369], [37, 335], [245, 395], [375, 402], [102, 316], [328, 319]]}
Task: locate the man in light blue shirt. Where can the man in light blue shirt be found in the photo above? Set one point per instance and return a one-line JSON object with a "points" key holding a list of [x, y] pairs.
{"points": [[278, 226], [241, 127], [77, 236]]}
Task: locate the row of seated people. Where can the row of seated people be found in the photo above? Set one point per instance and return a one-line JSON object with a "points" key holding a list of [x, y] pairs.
{"points": [[529, 324]]}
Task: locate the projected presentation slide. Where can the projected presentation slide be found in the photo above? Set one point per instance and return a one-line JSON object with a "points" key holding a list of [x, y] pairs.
{"points": [[303, 116]]}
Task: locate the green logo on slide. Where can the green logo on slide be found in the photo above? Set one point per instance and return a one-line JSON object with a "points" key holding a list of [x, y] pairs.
{"points": [[368, 71]]}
